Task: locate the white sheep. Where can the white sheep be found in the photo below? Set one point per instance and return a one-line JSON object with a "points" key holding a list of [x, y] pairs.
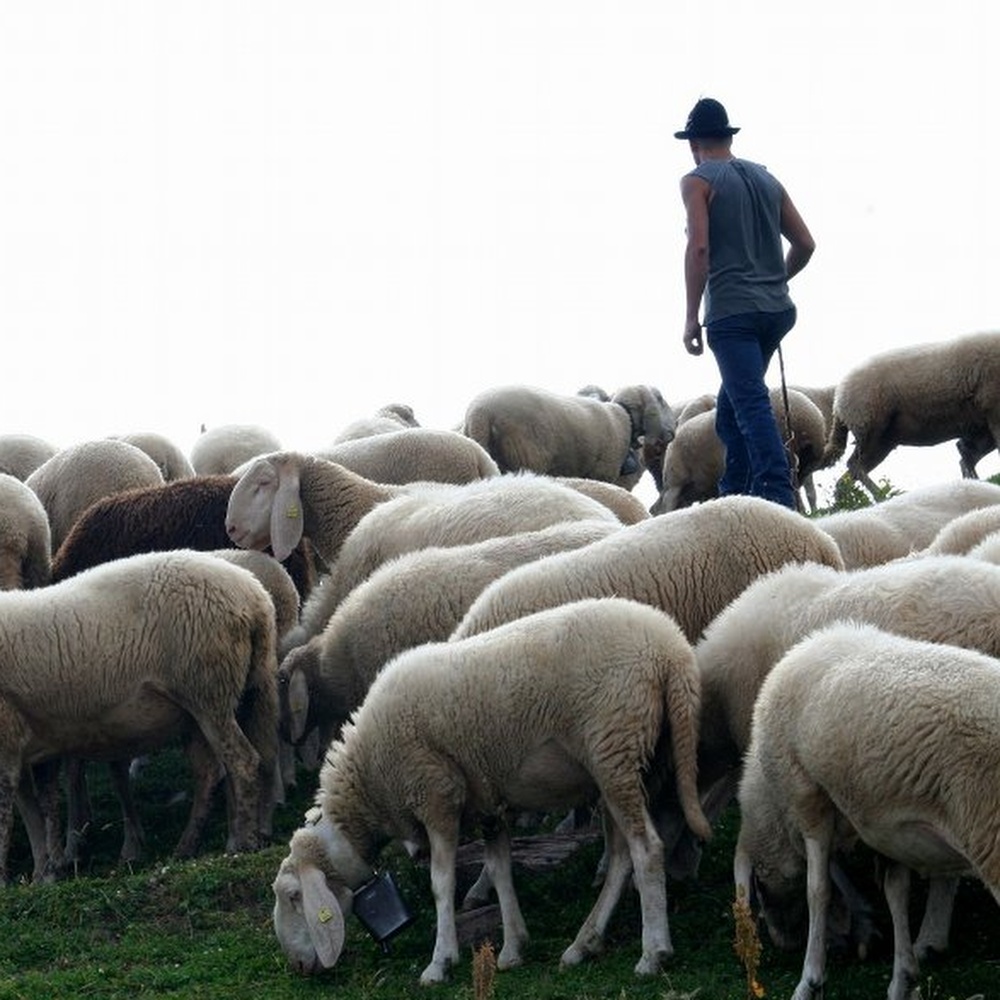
{"points": [[385, 420], [25, 538], [282, 498], [690, 563], [21, 454], [172, 461], [543, 713], [130, 655], [905, 523], [695, 459], [223, 449], [953, 600], [281, 589], [76, 476], [859, 734], [419, 453], [965, 532], [920, 395], [526, 428], [428, 591]]}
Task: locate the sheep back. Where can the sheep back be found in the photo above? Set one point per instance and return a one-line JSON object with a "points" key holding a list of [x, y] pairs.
{"points": [[21, 454], [439, 514], [417, 453], [77, 476], [689, 563], [223, 449]]}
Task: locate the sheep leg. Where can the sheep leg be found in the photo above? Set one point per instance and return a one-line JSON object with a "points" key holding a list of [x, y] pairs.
{"points": [[646, 852], [78, 812], [47, 789], [34, 824], [817, 847], [498, 865], [479, 892], [206, 772], [905, 970], [936, 925], [443, 849], [8, 786], [132, 832], [241, 761], [620, 852]]}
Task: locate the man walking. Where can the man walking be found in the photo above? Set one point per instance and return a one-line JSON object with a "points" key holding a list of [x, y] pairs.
{"points": [[737, 214]]}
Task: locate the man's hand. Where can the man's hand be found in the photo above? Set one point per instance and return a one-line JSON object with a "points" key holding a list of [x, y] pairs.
{"points": [[692, 337]]}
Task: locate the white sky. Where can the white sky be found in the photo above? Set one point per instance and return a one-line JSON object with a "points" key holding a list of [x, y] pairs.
{"points": [[293, 213]]}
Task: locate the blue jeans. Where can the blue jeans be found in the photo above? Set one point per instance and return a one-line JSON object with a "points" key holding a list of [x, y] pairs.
{"points": [[756, 461]]}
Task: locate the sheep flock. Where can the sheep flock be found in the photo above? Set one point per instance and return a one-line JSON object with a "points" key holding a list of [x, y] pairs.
{"points": [[448, 632]]}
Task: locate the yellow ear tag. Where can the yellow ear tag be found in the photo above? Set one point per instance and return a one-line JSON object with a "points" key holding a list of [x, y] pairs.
{"points": [[292, 512], [324, 914]]}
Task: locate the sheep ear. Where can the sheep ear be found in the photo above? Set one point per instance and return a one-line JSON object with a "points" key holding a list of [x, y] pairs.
{"points": [[324, 918], [286, 515], [298, 705]]}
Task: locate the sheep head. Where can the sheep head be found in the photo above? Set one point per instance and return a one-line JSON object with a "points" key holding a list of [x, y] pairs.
{"points": [[308, 919], [651, 417], [265, 507], [312, 897]]}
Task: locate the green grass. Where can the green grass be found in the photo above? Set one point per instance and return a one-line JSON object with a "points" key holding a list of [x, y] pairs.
{"points": [[203, 928]]}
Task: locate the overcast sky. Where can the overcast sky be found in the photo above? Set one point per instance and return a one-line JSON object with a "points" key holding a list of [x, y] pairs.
{"points": [[292, 213]]}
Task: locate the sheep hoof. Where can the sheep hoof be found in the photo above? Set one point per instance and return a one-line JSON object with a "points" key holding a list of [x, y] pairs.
{"points": [[436, 972], [650, 965]]}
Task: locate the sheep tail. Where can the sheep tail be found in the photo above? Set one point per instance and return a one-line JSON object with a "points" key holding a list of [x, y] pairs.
{"points": [[683, 706], [836, 443], [258, 710]]}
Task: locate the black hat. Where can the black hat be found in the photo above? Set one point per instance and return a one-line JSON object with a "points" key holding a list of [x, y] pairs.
{"points": [[708, 120]]}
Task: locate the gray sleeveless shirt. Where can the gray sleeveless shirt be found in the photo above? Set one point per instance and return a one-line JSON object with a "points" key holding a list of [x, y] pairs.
{"points": [[746, 264]]}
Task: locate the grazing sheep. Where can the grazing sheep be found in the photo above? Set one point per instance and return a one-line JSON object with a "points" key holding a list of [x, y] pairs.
{"points": [[690, 563], [524, 428], [862, 735], [172, 462], [183, 514], [965, 532], [394, 417], [906, 523], [920, 395], [223, 449], [285, 598], [546, 712], [77, 476], [420, 453], [322, 681], [952, 600], [283, 498], [695, 460], [21, 454], [127, 657], [25, 539]]}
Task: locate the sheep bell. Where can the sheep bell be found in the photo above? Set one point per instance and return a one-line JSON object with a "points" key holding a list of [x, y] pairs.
{"points": [[381, 909]]}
